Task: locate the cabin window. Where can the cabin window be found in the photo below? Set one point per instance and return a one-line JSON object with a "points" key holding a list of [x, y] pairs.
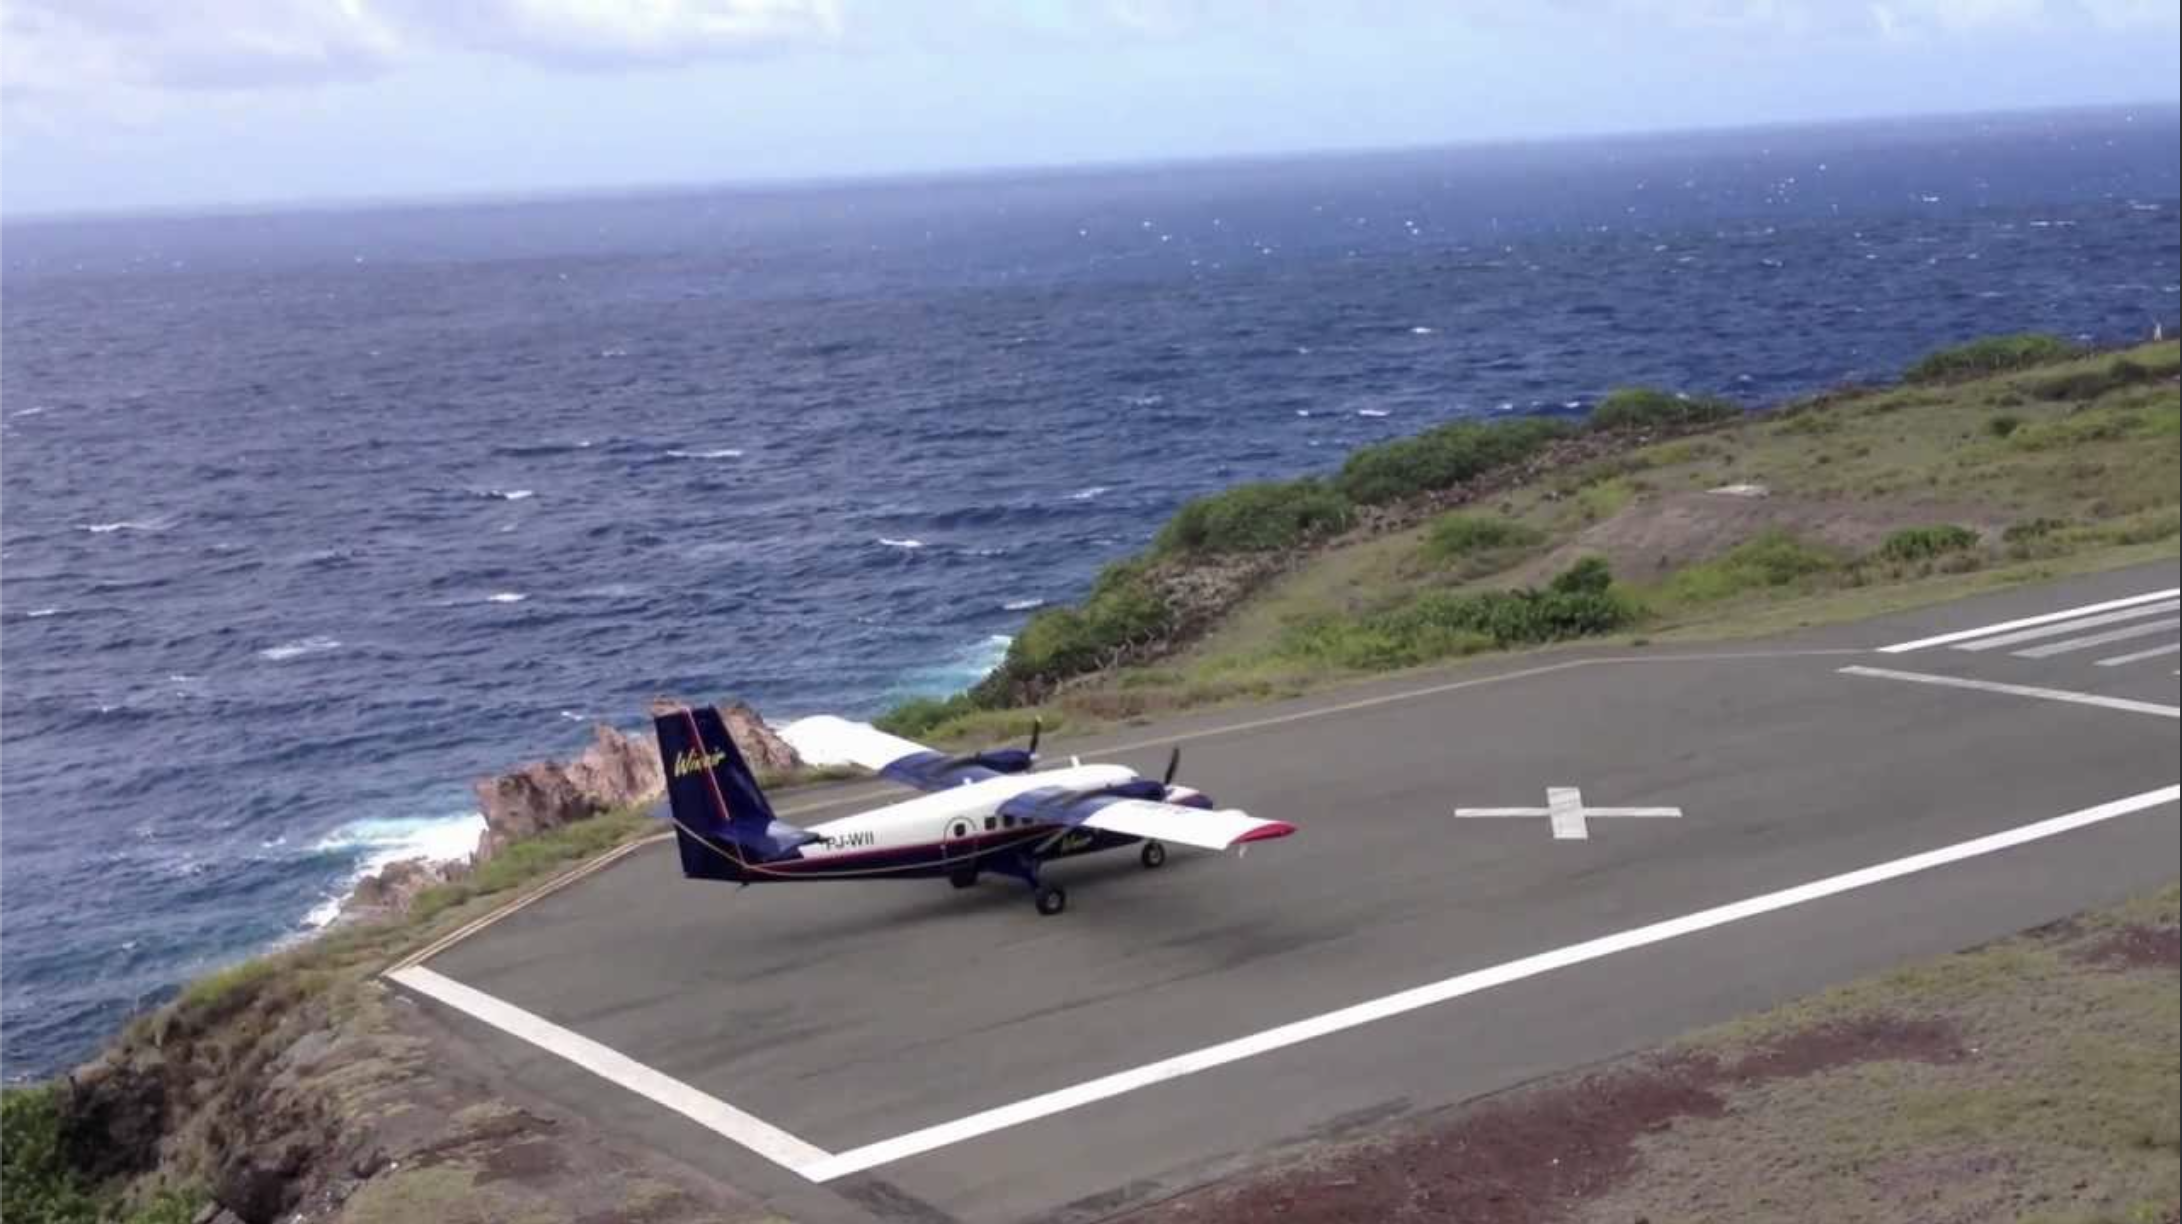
{"points": [[990, 822]]}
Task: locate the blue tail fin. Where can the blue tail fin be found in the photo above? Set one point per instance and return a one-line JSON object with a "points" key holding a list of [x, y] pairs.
{"points": [[721, 817]]}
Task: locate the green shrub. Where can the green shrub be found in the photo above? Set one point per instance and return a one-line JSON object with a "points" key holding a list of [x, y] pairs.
{"points": [[915, 718], [1768, 561], [1475, 537], [1992, 355], [1255, 518], [1590, 576], [1912, 544], [1444, 624], [1648, 408], [38, 1184], [2092, 383], [1514, 618], [1123, 610], [1440, 458], [2003, 424]]}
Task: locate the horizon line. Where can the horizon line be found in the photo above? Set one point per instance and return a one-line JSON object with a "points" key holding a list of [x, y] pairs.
{"points": [[963, 175]]}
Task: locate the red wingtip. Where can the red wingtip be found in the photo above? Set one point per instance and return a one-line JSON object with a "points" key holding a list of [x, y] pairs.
{"points": [[1278, 828]]}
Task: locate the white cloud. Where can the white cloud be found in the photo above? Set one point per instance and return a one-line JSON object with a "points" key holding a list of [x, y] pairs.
{"points": [[116, 53], [77, 48], [59, 46], [621, 33]]}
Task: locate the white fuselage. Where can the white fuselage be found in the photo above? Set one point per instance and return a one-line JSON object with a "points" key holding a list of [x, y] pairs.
{"points": [[955, 814]]}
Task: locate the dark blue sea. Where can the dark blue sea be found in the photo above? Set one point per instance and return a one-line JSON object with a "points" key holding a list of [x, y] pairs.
{"points": [[311, 519]]}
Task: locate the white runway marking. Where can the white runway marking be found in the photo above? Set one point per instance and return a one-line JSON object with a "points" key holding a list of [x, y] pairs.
{"points": [[707, 1111], [2019, 690], [2140, 656], [932, 1138], [1565, 808], [2070, 626], [2109, 637], [1946, 639]]}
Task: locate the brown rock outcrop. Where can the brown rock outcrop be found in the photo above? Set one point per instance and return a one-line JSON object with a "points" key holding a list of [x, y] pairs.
{"points": [[615, 771], [765, 752], [391, 890]]}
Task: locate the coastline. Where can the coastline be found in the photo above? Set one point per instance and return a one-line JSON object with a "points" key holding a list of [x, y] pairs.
{"points": [[189, 1098]]}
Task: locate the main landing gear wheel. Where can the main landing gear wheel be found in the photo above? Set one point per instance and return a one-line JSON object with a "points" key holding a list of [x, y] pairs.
{"points": [[1153, 855], [962, 877], [1051, 901]]}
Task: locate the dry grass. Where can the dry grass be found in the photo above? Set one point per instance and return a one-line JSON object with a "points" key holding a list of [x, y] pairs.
{"points": [[2065, 1110]]}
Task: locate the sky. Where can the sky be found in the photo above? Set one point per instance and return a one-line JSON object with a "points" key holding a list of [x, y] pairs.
{"points": [[152, 105]]}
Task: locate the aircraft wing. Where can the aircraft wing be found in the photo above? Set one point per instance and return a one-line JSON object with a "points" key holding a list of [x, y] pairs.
{"points": [[1148, 818], [825, 739]]}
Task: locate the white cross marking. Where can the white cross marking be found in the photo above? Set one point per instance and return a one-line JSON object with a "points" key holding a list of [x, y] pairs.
{"points": [[1565, 809]]}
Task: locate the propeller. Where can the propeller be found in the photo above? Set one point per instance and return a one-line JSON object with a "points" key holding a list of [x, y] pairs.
{"points": [[1174, 762], [1013, 760]]}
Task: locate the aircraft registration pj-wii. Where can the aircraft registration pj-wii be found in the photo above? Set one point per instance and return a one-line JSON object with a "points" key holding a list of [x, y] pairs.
{"points": [[980, 812]]}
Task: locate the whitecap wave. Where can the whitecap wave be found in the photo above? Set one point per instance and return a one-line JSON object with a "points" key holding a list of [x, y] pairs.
{"points": [[372, 844], [910, 544], [158, 524], [612, 590], [725, 452], [41, 613], [506, 597], [1374, 413], [1088, 494], [1421, 330], [511, 494], [1022, 605], [316, 644]]}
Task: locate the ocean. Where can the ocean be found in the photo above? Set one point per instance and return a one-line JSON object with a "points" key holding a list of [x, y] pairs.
{"points": [[309, 519]]}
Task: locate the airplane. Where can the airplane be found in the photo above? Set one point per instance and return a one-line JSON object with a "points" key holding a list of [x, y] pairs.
{"points": [[980, 812]]}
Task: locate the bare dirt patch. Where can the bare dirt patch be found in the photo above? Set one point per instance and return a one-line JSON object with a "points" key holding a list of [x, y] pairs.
{"points": [[1526, 1157], [2135, 946]]}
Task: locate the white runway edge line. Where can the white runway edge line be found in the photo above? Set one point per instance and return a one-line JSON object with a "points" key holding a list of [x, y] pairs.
{"points": [[2025, 623], [707, 1111], [2062, 628], [918, 1142], [2019, 690]]}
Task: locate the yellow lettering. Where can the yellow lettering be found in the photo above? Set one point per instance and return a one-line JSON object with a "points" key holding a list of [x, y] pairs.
{"points": [[687, 762]]}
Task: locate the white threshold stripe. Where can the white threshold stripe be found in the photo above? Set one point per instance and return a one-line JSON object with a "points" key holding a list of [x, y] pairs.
{"points": [[2140, 656], [2071, 626], [707, 1111], [2019, 690], [887, 1151], [2071, 645], [2026, 622]]}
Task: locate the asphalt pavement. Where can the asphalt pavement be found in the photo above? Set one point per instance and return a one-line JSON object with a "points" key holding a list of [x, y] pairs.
{"points": [[901, 1050]]}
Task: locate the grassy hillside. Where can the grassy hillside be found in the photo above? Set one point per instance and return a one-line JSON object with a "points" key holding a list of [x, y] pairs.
{"points": [[2002, 461]]}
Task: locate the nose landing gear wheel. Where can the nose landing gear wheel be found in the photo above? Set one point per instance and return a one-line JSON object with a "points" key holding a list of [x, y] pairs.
{"points": [[1153, 855], [1051, 901]]}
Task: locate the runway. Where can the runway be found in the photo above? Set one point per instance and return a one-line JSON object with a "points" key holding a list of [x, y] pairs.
{"points": [[1648, 840]]}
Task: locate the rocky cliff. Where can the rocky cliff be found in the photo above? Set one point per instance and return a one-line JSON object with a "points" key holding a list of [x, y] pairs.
{"points": [[613, 771]]}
